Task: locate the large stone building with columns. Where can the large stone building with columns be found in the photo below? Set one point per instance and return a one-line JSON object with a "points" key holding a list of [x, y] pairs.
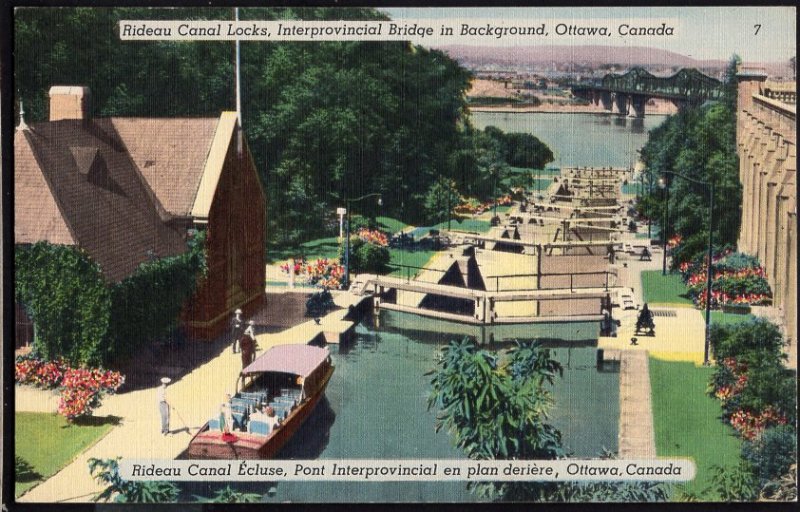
{"points": [[766, 135]]}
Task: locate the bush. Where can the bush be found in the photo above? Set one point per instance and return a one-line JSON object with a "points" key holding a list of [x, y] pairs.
{"points": [[81, 388], [72, 306], [366, 257], [771, 453], [319, 303], [65, 294], [750, 341]]}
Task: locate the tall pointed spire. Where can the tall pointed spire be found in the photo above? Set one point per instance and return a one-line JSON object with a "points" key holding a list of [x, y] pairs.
{"points": [[22, 124]]}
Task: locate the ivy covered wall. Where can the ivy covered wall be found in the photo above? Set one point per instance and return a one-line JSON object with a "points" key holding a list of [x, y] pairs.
{"points": [[78, 315]]}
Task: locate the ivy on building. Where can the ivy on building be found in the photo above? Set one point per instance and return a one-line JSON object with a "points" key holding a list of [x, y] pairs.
{"points": [[81, 317]]}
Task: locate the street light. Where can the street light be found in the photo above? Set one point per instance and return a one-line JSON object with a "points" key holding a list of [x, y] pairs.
{"points": [[347, 242], [664, 185], [710, 187]]}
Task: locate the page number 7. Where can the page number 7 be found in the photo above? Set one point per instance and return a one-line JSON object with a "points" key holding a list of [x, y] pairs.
{"points": [[757, 27]]}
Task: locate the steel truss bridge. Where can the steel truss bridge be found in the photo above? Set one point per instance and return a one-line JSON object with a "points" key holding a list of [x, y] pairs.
{"points": [[633, 89]]}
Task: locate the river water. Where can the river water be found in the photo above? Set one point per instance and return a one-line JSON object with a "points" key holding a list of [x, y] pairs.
{"points": [[592, 140]]}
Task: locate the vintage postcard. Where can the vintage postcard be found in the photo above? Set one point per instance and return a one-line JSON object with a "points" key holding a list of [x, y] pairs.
{"points": [[360, 255]]}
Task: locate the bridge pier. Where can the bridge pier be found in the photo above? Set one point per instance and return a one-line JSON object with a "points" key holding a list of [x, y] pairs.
{"points": [[638, 103], [622, 103], [607, 100]]}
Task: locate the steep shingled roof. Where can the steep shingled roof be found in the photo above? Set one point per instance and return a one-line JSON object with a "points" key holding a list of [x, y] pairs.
{"points": [[76, 184], [170, 154]]}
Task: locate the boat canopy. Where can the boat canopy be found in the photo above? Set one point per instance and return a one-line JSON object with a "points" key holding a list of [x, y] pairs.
{"points": [[295, 359]]}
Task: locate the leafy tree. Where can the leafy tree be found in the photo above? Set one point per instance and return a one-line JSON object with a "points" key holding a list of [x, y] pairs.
{"points": [[496, 407], [525, 150], [124, 491], [699, 143], [230, 495], [440, 200]]}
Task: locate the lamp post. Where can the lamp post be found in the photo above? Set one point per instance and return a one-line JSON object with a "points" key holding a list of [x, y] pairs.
{"points": [[449, 205], [709, 256], [347, 236], [664, 185]]}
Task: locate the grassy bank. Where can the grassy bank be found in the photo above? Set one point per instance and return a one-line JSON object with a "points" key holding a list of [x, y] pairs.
{"points": [[668, 289], [687, 422], [44, 443]]}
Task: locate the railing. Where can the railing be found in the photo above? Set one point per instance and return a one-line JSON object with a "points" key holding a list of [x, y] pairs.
{"points": [[608, 274]]}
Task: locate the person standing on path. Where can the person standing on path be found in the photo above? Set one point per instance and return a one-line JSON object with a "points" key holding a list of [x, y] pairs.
{"points": [[248, 344], [237, 327], [163, 405]]}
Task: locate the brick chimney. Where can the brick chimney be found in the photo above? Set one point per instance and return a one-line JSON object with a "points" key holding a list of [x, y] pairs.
{"points": [[69, 102]]}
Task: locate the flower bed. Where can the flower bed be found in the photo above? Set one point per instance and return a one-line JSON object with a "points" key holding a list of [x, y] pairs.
{"points": [[373, 236], [324, 272], [728, 383], [737, 280], [472, 206], [81, 388]]}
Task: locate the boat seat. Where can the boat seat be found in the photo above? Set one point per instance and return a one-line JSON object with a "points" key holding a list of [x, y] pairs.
{"points": [[246, 403], [261, 396], [238, 420], [293, 392], [281, 410], [259, 428], [290, 401]]}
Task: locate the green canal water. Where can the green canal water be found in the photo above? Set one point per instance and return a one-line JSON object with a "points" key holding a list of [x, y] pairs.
{"points": [[598, 140], [376, 405]]}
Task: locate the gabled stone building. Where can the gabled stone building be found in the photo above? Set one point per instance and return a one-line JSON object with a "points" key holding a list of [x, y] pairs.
{"points": [[130, 189]]}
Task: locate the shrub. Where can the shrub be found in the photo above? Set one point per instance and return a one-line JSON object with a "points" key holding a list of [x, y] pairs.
{"points": [[772, 453], [81, 388], [124, 491], [749, 341], [65, 294], [367, 257]]}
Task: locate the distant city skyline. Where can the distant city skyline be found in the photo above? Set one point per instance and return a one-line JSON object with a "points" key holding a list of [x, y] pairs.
{"points": [[700, 32]]}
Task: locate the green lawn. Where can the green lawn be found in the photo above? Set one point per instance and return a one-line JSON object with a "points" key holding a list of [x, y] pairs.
{"points": [[687, 422], [718, 317], [668, 289], [390, 225], [320, 248], [44, 443], [481, 226], [410, 258]]}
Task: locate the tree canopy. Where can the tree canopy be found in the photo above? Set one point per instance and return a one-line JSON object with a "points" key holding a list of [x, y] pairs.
{"points": [[699, 143], [324, 121]]}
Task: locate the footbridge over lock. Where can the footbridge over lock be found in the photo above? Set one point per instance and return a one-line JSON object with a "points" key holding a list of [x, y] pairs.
{"points": [[633, 89], [489, 287]]}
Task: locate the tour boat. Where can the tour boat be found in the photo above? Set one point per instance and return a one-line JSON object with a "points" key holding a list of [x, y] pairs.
{"points": [[289, 378]]}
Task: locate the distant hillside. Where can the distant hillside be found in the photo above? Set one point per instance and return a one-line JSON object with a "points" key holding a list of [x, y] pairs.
{"points": [[478, 57]]}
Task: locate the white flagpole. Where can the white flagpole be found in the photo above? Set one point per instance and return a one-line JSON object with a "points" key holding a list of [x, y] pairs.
{"points": [[238, 89]]}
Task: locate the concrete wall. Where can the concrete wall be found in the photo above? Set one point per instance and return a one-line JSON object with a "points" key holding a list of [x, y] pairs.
{"points": [[766, 137]]}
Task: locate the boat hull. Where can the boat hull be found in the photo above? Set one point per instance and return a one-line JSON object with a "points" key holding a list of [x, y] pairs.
{"points": [[208, 444]]}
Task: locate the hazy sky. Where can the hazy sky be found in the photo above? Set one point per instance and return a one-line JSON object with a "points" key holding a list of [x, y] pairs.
{"points": [[700, 32]]}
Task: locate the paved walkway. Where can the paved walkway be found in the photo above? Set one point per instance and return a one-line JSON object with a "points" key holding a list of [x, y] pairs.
{"points": [[195, 398], [636, 435], [680, 329]]}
